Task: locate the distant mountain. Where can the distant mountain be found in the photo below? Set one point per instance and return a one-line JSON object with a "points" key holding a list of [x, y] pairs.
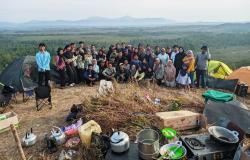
{"points": [[125, 21], [92, 22]]}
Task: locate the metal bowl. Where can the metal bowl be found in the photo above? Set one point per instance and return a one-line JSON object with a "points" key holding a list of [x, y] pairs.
{"points": [[224, 135]]}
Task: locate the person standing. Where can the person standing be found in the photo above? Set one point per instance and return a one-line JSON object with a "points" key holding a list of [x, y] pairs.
{"points": [[158, 71], [178, 59], [70, 69], [174, 53], [60, 66], [201, 66], [189, 60], [163, 56], [43, 64], [169, 74]]}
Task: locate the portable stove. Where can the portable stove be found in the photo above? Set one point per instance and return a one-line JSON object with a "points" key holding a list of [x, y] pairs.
{"points": [[205, 147]]}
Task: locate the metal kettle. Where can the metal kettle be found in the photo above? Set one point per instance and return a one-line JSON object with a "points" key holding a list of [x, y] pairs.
{"points": [[58, 135], [29, 139], [119, 142]]}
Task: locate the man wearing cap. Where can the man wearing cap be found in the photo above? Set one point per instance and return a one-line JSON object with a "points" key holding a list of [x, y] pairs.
{"points": [[201, 66], [43, 64]]}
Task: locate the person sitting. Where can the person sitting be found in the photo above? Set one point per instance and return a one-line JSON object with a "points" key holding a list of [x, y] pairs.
{"points": [[113, 54], [90, 75], [102, 67], [87, 58], [169, 74], [136, 61], [122, 74], [133, 72], [183, 79], [95, 66], [60, 66], [126, 64], [139, 75], [118, 59], [101, 56], [109, 73], [158, 71]]}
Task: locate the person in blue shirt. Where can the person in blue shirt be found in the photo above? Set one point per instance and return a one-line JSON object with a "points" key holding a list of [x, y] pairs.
{"points": [[90, 75], [136, 61], [43, 65]]}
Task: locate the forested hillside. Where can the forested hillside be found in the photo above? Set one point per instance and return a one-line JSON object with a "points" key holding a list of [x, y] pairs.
{"points": [[229, 43]]}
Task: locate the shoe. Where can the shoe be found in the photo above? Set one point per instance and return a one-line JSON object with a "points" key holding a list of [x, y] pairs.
{"points": [[72, 84]]}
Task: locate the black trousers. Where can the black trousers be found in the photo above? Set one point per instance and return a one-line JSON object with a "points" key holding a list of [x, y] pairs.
{"points": [[72, 74], [62, 77], [43, 76]]}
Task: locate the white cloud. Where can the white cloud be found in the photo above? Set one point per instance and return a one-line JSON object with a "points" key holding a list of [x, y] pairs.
{"points": [[180, 10]]}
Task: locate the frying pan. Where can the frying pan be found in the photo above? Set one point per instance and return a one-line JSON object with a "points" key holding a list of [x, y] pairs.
{"points": [[224, 135]]}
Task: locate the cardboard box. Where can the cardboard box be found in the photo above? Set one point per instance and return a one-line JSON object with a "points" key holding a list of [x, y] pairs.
{"points": [[179, 120], [11, 118]]}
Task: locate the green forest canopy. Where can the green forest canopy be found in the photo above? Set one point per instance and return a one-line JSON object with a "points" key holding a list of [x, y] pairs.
{"points": [[232, 47]]}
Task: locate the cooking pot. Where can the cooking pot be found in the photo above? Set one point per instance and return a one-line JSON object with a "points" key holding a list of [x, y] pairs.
{"points": [[119, 142], [29, 139], [58, 135], [224, 135], [148, 144]]}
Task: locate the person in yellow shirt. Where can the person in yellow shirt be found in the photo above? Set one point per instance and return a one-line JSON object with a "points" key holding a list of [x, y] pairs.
{"points": [[189, 60]]}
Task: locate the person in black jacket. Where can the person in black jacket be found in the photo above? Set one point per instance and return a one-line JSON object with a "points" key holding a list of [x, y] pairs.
{"points": [[122, 75], [90, 75], [178, 61]]}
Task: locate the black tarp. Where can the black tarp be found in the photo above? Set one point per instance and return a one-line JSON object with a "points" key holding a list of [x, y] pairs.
{"points": [[219, 113], [22, 73], [224, 84]]}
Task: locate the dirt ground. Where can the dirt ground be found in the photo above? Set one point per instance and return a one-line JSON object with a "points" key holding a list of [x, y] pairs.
{"points": [[62, 99]]}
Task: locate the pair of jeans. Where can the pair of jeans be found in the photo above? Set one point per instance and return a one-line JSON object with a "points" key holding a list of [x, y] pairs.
{"points": [[43, 76], [191, 76], [201, 76]]}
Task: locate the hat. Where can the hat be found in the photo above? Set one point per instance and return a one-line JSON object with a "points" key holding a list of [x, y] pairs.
{"points": [[204, 47], [120, 64]]}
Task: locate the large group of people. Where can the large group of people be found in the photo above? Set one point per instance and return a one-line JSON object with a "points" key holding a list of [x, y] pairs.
{"points": [[170, 66]]}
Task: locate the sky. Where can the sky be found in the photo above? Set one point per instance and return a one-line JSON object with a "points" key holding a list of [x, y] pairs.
{"points": [[178, 10]]}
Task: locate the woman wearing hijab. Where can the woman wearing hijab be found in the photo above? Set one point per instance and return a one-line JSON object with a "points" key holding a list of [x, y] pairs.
{"points": [[60, 66], [189, 60], [169, 74], [183, 79]]}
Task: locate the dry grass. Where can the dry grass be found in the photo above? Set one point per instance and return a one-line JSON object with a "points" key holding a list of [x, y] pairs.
{"points": [[121, 110]]}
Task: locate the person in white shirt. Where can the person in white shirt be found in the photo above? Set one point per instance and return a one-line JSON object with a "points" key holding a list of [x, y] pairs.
{"points": [[174, 53], [163, 56]]}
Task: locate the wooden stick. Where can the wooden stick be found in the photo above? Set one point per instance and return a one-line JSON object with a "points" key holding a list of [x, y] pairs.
{"points": [[18, 142]]}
